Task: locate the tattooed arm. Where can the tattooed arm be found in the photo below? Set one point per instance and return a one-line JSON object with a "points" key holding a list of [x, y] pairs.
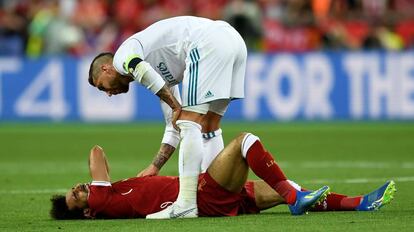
{"points": [[163, 155], [160, 159]]}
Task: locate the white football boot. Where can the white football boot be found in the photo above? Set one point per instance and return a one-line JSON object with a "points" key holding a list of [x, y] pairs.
{"points": [[175, 211]]}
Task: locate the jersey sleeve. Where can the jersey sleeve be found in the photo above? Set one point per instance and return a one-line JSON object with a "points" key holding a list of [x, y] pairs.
{"points": [[130, 48], [99, 194], [171, 135], [129, 60]]}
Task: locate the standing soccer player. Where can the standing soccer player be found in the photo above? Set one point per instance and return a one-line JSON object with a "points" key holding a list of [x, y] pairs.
{"points": [[209, 59]]}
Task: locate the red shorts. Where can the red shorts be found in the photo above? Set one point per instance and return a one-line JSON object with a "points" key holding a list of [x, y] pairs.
{"points": [[214, 200]]}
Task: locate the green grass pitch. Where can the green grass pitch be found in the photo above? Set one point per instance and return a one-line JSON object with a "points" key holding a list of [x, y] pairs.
{"points": [[37, 160]]}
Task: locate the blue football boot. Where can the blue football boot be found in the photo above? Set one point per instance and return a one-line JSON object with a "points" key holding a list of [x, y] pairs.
{"points": [[305, 200], [378, 198]]}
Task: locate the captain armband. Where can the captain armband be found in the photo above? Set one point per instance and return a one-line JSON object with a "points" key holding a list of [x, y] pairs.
{"points": [[132, 64], [145, 74]]}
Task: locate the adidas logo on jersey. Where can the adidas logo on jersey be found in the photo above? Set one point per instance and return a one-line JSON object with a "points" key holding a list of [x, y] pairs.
{"points": [[209, 94]]}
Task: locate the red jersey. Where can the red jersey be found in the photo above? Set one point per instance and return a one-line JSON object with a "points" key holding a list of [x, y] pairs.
{"points": [[139, 196]]}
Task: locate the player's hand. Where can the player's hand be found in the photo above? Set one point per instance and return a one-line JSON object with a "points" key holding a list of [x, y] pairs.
{"points": [[175, 115], [151, 170]]}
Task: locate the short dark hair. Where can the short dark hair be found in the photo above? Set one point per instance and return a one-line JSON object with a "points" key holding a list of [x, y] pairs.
{"points": [[60, 210], [92, 70]]}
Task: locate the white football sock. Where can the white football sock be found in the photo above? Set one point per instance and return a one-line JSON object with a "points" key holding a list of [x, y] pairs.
{"points": [[213, 145], [189, 162], [248, 140], [295, 185]]}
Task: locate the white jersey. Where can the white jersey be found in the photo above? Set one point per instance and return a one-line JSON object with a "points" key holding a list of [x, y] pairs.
{"points": [[164, 45], [208, 57]]}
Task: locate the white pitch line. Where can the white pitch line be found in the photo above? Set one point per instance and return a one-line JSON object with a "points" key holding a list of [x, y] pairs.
{"points": [[316, 181]]}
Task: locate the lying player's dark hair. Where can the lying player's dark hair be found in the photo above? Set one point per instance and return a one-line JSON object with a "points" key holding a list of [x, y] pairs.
{"points": [[92, 71], [60, 210]]}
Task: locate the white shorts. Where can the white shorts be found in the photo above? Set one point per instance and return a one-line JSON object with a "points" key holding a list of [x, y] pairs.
{"points": [[218, 106], [215, 66]]}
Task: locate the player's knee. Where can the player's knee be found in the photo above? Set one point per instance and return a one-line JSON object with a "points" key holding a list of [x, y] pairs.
{"points": [[209, 126], [246, 135], [191, 116], [211, 122], [241, 136]]}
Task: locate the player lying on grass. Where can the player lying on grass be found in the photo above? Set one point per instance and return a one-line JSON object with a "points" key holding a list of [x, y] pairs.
{"points": [[222, 190]]}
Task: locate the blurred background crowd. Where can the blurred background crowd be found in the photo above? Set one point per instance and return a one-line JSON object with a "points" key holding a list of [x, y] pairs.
{"points": [[82, 27]]}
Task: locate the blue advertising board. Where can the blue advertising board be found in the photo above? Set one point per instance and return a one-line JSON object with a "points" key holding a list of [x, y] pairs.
{"points": [[309, 86]]}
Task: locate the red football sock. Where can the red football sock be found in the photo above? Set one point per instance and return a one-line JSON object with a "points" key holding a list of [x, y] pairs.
{"points": [[265, 167], [338, 202], [350, 203]]}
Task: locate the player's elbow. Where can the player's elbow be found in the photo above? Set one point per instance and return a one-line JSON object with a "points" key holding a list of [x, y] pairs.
{"points": [[96, 150]]}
